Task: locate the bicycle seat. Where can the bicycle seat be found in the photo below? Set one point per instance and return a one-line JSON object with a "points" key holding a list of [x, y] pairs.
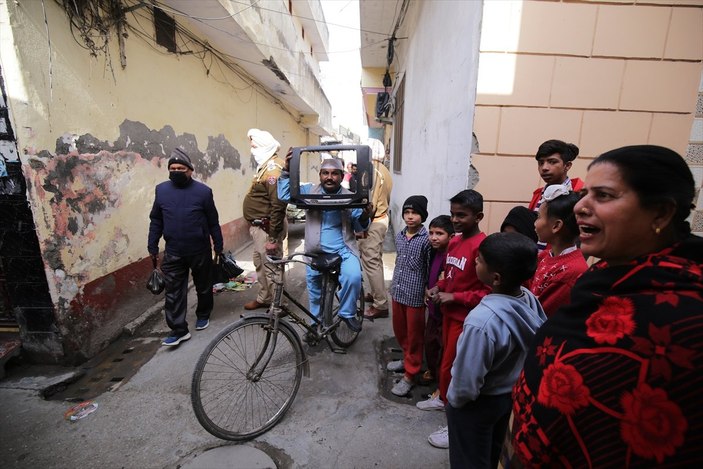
{"points": [[324, 262]]}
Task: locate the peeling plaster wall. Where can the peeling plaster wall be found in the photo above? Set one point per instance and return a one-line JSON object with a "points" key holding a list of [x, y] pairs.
{"points": [[94, 143]]}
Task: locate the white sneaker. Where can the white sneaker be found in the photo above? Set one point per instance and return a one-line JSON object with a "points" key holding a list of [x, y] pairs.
{"points": [[402, 387], [440, 438], [395, 365], [433, 403]]}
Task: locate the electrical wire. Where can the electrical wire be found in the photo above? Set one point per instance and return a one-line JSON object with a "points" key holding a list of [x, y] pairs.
{"points": [[201, 20]]}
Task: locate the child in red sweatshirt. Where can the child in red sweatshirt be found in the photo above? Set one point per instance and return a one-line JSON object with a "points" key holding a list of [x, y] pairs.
{"points": [[460, 290], [559, 266]]}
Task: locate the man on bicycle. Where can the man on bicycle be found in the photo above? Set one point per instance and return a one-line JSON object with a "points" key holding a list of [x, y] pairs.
{"points": [[332, 231]]}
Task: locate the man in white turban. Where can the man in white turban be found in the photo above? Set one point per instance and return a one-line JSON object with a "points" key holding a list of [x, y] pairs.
{"points": [[263, 211]]}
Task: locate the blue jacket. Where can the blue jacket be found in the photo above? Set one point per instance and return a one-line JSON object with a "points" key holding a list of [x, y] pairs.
{"points": [[186, 217]]}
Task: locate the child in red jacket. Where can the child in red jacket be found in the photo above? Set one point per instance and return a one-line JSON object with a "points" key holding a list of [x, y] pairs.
{"points": [[562, 264], [460, 290]]}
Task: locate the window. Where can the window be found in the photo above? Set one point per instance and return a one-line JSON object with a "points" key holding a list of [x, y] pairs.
{"points": [[165, 28], [398, 127]]}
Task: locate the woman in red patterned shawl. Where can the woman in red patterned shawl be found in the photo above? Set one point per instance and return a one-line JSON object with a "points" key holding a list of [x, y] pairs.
{"points": [[614, 378]]}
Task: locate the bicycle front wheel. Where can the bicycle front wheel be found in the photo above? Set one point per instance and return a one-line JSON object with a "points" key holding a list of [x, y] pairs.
{"points": [[229, 400], [342, 335]]}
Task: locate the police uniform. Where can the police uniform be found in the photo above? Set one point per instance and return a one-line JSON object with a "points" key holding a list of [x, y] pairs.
{"points": [[371, 247], [266, 216]]}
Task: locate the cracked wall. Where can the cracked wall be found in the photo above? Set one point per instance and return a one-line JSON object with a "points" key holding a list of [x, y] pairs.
{"points": [[93, 143]]}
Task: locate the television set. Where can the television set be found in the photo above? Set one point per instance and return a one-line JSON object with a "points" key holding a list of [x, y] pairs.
{"points": [[305, 167]]}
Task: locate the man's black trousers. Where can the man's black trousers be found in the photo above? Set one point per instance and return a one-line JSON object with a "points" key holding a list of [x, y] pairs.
{"points": [[175, 271]]}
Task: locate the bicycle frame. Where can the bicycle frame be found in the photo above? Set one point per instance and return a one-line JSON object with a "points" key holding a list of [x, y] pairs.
{"points": [[322, 326]]}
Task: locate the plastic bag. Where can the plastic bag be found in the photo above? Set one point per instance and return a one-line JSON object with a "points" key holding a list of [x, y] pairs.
{"points": [[156, 282], [230, 265], [225, 268]]}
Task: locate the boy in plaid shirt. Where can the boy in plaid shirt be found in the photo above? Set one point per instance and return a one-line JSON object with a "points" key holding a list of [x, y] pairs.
{"points": [[408, 291]]}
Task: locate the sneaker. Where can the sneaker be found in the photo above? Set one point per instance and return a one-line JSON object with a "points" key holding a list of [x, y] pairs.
{"points": [[395, 365], [433, 403], [352, 323], [201, 324], [402, 387], [440, 438], [172, 340]]}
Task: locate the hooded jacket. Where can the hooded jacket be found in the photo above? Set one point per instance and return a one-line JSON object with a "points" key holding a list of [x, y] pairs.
{"points": [[493, 345]]}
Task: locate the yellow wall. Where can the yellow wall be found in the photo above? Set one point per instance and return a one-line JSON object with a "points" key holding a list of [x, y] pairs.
{"points": [[57, 92], [597, 74]]}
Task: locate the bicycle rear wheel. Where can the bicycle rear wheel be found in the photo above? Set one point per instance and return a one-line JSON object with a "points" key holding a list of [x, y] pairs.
{"points": [[230, 403], [342, 335]]}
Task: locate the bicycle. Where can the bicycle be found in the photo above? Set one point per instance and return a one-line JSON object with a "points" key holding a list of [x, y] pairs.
{"points": [[248, 376]]}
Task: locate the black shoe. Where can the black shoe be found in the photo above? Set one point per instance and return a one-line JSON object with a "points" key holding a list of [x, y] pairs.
{"points": [[352, 323], [310, 338]]}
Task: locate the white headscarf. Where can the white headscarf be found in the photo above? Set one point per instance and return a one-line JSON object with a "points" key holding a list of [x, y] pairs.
{"points": [[263, 145], [377, 150]]}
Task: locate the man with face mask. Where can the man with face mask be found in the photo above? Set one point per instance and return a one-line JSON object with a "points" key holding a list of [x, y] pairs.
{"points": [[265, 214], [332, 231], [184, 214]]}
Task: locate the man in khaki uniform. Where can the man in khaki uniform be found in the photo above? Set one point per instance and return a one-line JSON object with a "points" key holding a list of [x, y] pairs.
{"points": [[265, 214], [371, 247]]}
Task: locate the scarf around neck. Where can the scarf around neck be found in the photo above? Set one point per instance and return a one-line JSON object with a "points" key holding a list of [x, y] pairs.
{"points": [[613, 378]]}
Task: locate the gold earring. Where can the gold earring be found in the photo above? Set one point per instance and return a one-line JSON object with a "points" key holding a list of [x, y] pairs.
{"points": [[657, 230]]}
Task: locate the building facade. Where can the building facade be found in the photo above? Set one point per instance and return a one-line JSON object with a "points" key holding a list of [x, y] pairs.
{"points": [[96, 95], [599, 74]]}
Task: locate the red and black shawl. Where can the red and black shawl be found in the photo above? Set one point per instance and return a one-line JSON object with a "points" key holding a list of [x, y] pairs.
{"points": [[615, 379]]}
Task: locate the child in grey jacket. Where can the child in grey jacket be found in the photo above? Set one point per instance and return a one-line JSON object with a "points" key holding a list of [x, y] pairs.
{"points": [[491, 351]]}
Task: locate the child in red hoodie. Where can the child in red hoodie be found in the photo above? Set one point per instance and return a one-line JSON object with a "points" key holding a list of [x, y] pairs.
{"points": [[460, 290]]}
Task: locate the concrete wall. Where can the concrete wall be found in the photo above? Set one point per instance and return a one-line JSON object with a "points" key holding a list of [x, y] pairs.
{"points": [[94, 140], [597, 74], [439, 62]]}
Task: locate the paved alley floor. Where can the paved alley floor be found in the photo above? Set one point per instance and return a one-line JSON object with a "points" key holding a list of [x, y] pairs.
{"points": [[342, 417]]}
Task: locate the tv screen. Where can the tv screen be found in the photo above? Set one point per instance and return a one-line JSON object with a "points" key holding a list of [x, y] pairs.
{"points": [[305, 168]]}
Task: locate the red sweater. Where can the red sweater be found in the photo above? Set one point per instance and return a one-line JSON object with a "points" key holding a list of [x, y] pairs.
{"points": [[555, 277], [460, 277]]}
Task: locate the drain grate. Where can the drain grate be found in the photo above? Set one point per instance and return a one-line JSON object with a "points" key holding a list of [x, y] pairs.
{"points": [[390, 351], [109, 370]]}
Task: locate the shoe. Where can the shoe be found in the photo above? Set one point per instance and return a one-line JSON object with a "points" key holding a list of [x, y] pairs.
{"points": [[426, 378], [373, 313], [440, 438], [255, 305], [310, 338], [433, 403], [201, 324], [395, 365], [173, 340], [352, 323], [368, 298], [402, 387]]}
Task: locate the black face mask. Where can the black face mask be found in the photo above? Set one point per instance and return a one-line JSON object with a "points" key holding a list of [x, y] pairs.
{"points": [[179, 178]]}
